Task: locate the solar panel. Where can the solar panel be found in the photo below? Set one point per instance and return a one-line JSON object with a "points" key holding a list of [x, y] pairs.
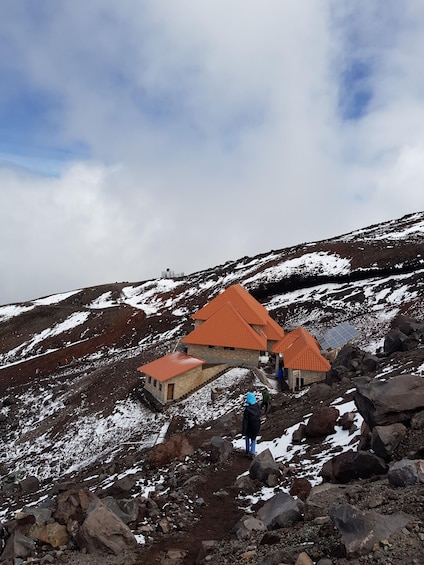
{"points": [[337, 336]]}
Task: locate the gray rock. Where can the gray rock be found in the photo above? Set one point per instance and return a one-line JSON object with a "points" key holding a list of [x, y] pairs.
{"points": [[265, 469], [122, 487], [417, 421], [126, 510], [346, 420], [360, 531], [220, 450], [385, 439], [388, 402], [17, 545], [103, 532], [246, 526], [29, 484], [406, 472], [280, 511], [351, 465], [299, 434]]}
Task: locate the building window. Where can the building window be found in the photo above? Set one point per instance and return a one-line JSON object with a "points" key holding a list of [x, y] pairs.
{"points": [[155, 383], [149, 380], [160, 387]]}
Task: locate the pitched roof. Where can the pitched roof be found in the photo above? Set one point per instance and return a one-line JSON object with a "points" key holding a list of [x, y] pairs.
{"points": [[250, 310], [273, 331], [301, 351], [170, 366], [247, 306], [227, 328]]}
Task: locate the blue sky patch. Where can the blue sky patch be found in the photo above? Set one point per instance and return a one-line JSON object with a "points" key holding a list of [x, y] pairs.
{"points": [[355, 93]]}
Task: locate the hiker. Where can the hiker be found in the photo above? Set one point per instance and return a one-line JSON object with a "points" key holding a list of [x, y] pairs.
{"points": [[266, 400], [280, 379], [251, 423]]}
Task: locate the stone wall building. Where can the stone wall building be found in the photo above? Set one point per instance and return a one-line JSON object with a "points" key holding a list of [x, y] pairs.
{"points": [[232, 330], [303, 362]]}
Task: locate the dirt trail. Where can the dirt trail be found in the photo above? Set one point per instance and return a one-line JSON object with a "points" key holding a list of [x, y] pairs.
{"points": [[216, 518]]}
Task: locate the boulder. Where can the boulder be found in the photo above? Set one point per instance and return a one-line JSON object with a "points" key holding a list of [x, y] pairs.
{"points": [[352, 362], [220, 449], [29, 484], [299, 434], [405, 334], [53, 533], [122, 487], [72, 505], [406, 472], [394, 341], [127, 509], [346, 420], [177, 447], [389, 402], [369, 363], [41, 515], [17, 546], [322, 421], [385, 439], [245, 484], [323, 497], [351, 465], [246, 527], [301, 488], [303, 559], [265, 469], [408, 325], [103, 532], [319, 391], [361, 531], [280, 511], [417, 421]]}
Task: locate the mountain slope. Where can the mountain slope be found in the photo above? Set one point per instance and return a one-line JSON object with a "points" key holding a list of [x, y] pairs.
{"points": [[68, 379]]}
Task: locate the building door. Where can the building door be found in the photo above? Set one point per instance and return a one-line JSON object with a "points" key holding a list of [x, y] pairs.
{"points": [[170, 392], [299, 383]]}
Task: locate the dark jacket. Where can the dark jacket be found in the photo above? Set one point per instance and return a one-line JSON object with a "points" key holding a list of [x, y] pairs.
{"points": [[251, 421]]}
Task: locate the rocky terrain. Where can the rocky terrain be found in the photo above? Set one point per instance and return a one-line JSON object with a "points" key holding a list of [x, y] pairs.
{"points": [[82, 479]]}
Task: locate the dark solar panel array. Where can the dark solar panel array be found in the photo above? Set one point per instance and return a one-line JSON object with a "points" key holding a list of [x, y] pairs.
{"points": [[337, 336]]}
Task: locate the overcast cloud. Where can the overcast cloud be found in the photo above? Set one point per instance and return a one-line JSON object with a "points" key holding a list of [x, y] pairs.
{"points": [[138, 136]]}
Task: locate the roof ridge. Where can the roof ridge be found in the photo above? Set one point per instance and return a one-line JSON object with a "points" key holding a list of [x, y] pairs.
{"points": [[227, 328]]}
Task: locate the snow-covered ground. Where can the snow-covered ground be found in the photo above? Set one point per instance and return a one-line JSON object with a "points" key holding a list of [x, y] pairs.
{"points": [[96, 438]]}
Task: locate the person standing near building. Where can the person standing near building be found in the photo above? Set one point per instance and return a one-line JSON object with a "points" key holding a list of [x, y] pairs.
{"points": [[251, 423], [266, 400]]}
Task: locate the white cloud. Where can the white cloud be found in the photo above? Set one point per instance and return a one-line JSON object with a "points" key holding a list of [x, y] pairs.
{"points": [[209, 132]]}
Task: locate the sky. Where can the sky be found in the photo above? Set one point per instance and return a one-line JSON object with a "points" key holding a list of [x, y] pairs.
{"points": [[142, 136]]}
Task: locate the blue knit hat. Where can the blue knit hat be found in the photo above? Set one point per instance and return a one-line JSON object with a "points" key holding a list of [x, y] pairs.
{"points": [[250, 398]]}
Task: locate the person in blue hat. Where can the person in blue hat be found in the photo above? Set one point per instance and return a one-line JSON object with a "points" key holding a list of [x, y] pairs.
{"points": [[251, 423]]}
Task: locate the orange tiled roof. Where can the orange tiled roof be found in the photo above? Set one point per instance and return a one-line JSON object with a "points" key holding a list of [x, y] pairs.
{"points": [[273, 331], [301, 351], [248, 307], [227, 328], [170, 366]]}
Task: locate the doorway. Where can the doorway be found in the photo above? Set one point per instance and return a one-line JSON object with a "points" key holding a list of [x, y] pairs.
{"points": [[170, 392]]}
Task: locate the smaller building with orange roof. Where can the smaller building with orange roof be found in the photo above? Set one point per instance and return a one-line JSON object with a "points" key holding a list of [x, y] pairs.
{"points": [[303, 362], [162, 375]]}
